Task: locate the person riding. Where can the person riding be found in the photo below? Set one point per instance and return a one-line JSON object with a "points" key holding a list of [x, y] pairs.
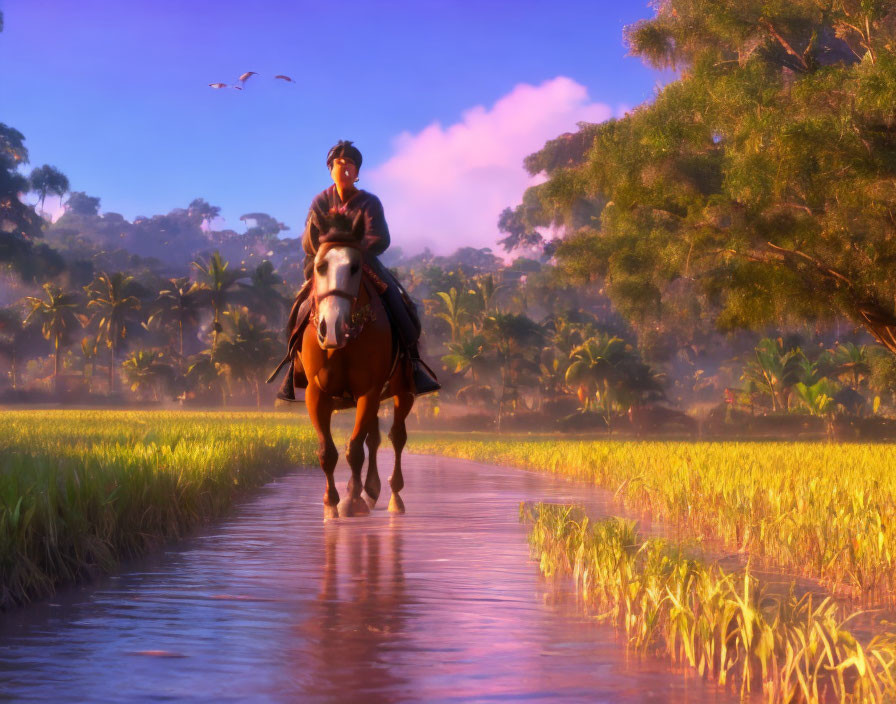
{"points": [[344, 161]]}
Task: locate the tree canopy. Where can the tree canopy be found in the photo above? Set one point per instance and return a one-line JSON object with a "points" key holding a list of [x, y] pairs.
{"points": [[760, 186]]}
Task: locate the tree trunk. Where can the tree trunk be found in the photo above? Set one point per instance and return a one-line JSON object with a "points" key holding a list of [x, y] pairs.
{"points": [[111, 369], [257, 395], [180, 324], [12, 367], [880, 324], [56, 367]]}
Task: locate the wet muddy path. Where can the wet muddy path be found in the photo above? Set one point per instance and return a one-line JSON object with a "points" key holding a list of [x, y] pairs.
{"points": [[274, 605]]}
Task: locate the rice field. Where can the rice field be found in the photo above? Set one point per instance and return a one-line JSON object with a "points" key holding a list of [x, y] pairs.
{"points": [[821, 510], [723, 624], [80, 490]]}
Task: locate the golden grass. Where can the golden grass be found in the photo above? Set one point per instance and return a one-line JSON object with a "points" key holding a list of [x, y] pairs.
{"points": [[822, 510], [80, 490], [722, 624]]}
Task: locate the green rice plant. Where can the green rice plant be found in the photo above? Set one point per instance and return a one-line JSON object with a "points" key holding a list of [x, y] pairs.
{"points": [[724, 625], [80, 490], [821, 510]]}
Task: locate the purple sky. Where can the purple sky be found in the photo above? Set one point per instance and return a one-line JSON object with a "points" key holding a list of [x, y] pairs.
{"points": [[444, 99]]}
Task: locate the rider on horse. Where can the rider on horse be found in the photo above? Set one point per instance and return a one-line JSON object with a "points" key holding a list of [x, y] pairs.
{"points": [[344, 161]]}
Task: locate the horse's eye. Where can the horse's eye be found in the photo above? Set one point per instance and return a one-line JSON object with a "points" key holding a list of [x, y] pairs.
{"points": [[322, 268], [354, 269]]}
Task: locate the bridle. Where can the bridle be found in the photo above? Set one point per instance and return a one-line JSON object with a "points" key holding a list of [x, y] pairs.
{"points": [[358, 317]]}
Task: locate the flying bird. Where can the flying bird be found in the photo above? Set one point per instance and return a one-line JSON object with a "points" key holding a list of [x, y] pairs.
{"points": [[216, 86], [247, 75], [284, 78]]}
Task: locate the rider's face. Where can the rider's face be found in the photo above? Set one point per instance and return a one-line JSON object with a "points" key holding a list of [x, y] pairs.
{"points": [[343, 171]]}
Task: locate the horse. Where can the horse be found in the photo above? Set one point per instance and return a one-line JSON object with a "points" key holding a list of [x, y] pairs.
{"points": [[350, 358]]}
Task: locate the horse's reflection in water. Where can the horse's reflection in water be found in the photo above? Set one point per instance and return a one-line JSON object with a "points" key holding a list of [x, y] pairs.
{"points": [[359, 616]]}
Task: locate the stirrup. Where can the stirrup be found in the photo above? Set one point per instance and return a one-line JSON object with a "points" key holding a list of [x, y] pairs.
{"points": [[425, 382]]}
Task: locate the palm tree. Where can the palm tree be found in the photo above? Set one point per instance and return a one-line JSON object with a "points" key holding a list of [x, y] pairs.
{"points": [[266, 294], [607, 373], [248, 351], [178, 303], [48, 179], [219, 282], [203, 373], [113, 306], [146, 371], [58, 319]]}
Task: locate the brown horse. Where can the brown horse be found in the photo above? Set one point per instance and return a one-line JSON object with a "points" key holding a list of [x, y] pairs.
{"points": [[350, 359]]}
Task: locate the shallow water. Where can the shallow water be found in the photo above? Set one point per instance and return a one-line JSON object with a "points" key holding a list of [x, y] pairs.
{"points": [[274, 605]]}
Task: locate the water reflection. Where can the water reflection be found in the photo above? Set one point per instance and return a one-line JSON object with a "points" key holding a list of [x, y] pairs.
{"points": [[273, 605], [358, 617]]}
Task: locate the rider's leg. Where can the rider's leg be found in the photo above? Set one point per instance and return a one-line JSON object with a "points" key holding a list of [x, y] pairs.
{"points": [[295, 378], [402, 313]]}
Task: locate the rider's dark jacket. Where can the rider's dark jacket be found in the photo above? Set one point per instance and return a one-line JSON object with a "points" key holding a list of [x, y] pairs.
{"points": [[376, 232], [399, 307]]}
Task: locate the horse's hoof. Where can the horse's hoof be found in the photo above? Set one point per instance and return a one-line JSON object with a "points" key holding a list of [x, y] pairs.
{"points": [[330, 512], [360, 507], [349, 508], [369, 500], [396, 505]]}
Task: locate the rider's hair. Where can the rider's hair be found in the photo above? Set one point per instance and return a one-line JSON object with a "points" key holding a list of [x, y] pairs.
{"points": [[346, 149]]}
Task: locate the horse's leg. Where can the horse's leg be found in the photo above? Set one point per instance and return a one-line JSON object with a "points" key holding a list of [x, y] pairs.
{"points": [[353, 504], [320, 408], [404, 401], [372, 483]]}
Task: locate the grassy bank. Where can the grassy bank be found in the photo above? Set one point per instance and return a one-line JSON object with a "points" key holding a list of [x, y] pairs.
{"points": [[722, 624], [79, 490], [821, 510]]}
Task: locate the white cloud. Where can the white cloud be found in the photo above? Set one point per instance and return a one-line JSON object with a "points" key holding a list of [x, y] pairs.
{"points": [[444, 187]]}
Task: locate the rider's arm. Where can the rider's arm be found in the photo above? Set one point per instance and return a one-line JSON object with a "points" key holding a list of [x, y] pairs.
{"points": [[376, 232], [310, 236]]}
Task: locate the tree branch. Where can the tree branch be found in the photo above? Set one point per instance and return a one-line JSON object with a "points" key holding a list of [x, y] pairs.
{"points": [[823, 268], [783, 42]]}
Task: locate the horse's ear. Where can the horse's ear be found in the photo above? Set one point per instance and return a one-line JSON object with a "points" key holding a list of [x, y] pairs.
{"points": [[358, 226]]}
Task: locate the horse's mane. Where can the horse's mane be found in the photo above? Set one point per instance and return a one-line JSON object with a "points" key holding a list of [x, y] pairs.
{"points": [[339, 228]]}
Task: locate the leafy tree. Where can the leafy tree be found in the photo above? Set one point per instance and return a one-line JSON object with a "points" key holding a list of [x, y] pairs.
{"points": [[455, 310], [203, 211], [16, 339], [249, 350], [850, 361], [20, 225], [48, 179], [774, 370], [818, 399], [516, 340], [148, 373], [57, 316], [759, 184], [205, 375]]}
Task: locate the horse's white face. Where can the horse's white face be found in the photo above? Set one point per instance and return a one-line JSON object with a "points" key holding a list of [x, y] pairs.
{"points": [[337, 281]]}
